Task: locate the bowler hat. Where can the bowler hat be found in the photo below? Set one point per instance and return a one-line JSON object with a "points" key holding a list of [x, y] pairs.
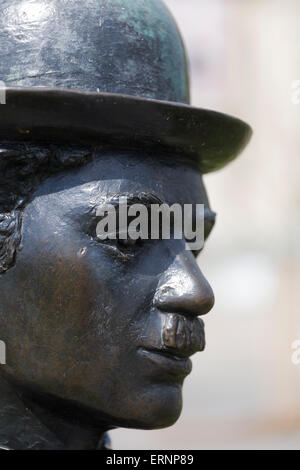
{"points": [[106, 72]]}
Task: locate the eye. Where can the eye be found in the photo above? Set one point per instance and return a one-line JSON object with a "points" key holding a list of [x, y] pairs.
{"points": [[129, 243], [123, 250]]}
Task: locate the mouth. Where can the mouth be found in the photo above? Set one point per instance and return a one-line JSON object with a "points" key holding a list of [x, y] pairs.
{"points": [[168, 343], [168, 362]]}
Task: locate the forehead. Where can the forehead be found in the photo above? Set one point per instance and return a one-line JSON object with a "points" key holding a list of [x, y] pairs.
{"points": [[112, 173]]}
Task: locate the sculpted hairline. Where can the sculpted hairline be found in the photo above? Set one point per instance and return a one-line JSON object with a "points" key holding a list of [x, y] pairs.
{"points": [[23, 167]]}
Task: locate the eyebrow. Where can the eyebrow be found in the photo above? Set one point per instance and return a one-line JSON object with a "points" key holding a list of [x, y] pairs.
{"points": [[145, 198], [149, 198]]}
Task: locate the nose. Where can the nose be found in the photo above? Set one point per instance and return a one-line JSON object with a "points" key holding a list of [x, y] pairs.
{"points": [[183, 288]]}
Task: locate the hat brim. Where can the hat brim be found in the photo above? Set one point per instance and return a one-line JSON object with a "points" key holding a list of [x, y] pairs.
{"points": [[209, 139]]}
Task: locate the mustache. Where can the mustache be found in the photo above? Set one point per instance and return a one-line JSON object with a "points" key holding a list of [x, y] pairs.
{"points": [[174, 333], [183, 334]]}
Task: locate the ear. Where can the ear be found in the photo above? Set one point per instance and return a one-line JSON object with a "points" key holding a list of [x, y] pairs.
{"points": [[10, 238]]}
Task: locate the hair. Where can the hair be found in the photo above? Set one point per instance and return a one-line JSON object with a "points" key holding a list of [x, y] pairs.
{"points": [[23, 167]]}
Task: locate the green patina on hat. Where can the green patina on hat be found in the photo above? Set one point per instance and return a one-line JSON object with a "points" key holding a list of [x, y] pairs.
{"points": [[111, 72]]}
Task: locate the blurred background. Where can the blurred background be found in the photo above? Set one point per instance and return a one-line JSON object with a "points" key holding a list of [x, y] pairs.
{"points": [[244, 392]]}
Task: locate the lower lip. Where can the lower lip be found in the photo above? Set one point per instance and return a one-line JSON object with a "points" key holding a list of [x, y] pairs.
{"points": [[171, 365]]}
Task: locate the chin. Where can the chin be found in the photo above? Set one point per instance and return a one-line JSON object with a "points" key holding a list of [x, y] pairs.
{"points": [[157, 407]]}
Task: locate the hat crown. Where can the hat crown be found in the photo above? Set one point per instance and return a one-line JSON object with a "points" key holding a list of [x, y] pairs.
{"points": [[116, 46]]}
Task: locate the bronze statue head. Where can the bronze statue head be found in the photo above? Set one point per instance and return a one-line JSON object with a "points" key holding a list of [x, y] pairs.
{"points": [[98, 334]]}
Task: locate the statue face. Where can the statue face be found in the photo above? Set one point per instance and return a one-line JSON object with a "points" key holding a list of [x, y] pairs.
{"points": [[88, 322]]}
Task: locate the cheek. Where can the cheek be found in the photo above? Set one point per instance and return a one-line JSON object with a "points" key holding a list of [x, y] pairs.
{"points": [[59, 291], [74, 299], [63, 328]]}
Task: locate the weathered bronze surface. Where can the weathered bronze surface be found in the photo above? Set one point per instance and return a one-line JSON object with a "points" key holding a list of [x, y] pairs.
{"points": [[98, 334]]}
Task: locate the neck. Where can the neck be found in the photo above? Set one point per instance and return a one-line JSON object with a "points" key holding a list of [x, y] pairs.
{"points": [[26, 423]]}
